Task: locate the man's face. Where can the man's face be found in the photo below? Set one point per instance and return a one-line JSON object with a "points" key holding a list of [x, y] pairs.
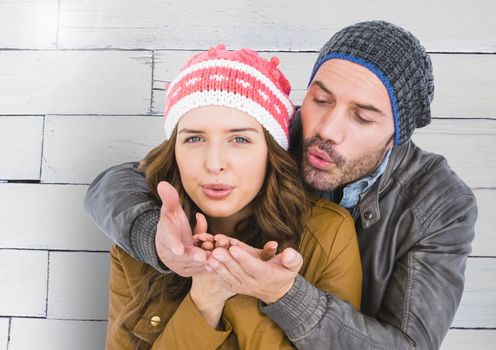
{"points": [[347, 124]]}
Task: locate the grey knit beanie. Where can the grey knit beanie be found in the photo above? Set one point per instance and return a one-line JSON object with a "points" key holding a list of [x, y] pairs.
{"points": [[398, 59]]}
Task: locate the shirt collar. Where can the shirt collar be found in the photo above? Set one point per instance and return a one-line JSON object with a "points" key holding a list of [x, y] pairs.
{"points": [[353, 191]]}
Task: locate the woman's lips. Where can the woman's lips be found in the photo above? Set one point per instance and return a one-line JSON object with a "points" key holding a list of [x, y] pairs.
{"points": [[217, 191], [319, 159]]}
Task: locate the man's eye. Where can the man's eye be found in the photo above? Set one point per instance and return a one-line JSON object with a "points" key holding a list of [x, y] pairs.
{"points": [[362, 120], [193, 139], [320, 101]]}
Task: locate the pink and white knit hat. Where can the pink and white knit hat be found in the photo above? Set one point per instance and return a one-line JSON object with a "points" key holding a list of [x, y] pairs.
{"points": [[238, 79]]}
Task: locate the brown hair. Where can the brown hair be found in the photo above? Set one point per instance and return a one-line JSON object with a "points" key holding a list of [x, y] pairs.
{"points": [[280, 210]]}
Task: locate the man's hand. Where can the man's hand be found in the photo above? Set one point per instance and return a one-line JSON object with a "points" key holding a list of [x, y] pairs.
{"points": [[173, 241], [246, 273]]}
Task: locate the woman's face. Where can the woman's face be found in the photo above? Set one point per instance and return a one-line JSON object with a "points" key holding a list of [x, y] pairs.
{"points": [[222, 157]]}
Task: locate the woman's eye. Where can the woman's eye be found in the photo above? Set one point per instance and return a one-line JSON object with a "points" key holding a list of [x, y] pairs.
{"points": [[241, 139], [193, 139]]}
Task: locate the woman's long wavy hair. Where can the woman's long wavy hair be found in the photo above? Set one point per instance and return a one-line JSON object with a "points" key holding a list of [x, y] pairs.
{"points": [[279, 214]]}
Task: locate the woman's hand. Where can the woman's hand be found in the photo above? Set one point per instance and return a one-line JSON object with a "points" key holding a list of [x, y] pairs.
{"points": [[208, 291]]}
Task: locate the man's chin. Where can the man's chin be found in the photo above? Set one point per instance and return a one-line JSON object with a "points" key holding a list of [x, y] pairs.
{"points": [[319, 180]]}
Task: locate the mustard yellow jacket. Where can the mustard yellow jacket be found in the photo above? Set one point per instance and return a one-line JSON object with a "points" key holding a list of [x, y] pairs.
{"points": [[331, 263]]}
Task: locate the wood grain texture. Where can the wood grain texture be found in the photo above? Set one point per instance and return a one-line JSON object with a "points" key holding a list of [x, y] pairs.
{"points": [[42, 334], [275, 25], [75, 82], [478, 305], [24, 283], [47, 217], [468, 145], [4, 332], [26, 24], [78, 286], [77, 149], [476, 339], [21, 141]]}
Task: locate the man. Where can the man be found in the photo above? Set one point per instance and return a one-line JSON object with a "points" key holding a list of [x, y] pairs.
{"points": [[371, 86]]}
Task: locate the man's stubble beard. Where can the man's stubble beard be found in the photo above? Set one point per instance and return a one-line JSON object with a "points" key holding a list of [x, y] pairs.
{"points": [[344, 171]]}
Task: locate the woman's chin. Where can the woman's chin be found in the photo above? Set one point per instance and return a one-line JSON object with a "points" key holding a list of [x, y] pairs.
{"points": [[218, 214]]}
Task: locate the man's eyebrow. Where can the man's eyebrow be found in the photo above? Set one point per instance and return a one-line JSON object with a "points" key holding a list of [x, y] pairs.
{"points": [[370, 108], [322, 86]]}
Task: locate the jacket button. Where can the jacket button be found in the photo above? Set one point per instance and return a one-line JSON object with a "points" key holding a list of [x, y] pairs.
{"points": [[155, 321], [368, 215]]}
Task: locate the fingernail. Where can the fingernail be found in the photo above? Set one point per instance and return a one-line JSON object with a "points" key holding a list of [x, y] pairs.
{"points": [[291, 256]]}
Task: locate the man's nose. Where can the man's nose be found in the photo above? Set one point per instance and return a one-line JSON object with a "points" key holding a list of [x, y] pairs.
{"points": [[331, 127]]}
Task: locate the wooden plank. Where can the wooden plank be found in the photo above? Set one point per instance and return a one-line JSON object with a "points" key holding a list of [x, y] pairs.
{"points": [[42, 334], [75, 82], [465, 85], [475, 73], [28, 24], [478, 306], [4, 332], [484, 243], [95, 144], [47, 217], [468, 145], [477, 339], [24, 283], [20, 147], [278, 25], [78, 286]]}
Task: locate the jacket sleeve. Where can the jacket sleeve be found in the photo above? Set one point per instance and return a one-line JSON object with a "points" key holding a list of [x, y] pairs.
{"points": [[119, 204], [187, 329], [342, 272], [418, 307]]}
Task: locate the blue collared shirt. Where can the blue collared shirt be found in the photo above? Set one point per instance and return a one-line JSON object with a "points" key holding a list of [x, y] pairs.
{"points": [[353, 191]]}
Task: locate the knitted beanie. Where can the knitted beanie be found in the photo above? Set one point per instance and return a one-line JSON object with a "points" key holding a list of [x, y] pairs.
{"points": [[398, 59], [238, 79]]}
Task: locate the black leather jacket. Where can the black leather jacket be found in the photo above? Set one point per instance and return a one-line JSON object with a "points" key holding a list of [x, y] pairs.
{"points": [[414, 226]]}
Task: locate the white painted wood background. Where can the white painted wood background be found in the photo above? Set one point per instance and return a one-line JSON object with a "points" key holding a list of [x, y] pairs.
{"points": [[81, 89]]}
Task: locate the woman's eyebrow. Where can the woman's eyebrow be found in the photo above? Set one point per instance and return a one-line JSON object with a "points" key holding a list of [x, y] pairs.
{"points": [[189, 131], [243, 129], [195, 131]]}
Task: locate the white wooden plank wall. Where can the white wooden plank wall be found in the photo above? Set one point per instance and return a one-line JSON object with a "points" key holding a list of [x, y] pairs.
{"points": [[81, 89]]}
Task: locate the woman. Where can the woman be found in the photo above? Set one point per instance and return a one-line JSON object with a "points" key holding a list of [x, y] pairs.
{"points": [[226, 123]]}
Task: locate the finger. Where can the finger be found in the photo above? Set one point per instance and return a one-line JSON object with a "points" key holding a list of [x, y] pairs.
{"points": [[252, 266], [207, 246], [226, 267], [291, 259], [255, 252], [269, 250], [222, 241], [169, 197], [204, 237], [201, 223]]}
